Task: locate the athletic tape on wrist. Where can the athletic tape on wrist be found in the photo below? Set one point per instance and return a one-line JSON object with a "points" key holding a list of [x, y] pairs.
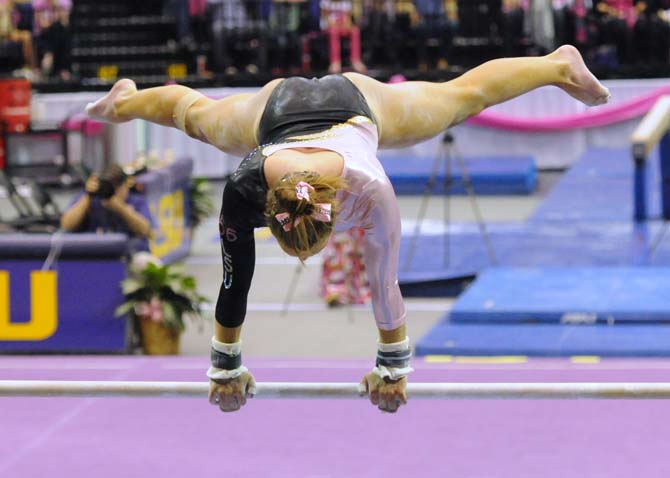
{"points": [[226, 356], [393, 360], [392, 373], [396, 355], [394, 347], [221, 374], [231, 349]]}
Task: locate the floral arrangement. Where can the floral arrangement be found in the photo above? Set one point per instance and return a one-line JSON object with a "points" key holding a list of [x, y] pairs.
{"points": [[201, 204], [160, 293]]}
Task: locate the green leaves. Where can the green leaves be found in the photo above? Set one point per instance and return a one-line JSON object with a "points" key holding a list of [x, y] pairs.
{"points": [[124, 308], [170, 285], [201, 204]]}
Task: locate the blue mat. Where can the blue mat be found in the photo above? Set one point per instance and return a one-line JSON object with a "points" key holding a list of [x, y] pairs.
{"points": [[546, 340], [525, 245], [599, 187], [567, 295], [489, 175]]}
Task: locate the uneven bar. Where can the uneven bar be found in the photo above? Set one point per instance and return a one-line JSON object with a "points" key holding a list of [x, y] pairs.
{"points": [[652, 131], [652, 128], [278, 390]]}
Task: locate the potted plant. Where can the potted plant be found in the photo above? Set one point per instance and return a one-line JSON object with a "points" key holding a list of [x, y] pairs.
{"points": [[160, 298], [201, 204]]}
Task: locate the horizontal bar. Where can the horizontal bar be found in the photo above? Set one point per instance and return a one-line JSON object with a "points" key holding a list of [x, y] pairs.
{"points": [[278, 390], [652, 128]]}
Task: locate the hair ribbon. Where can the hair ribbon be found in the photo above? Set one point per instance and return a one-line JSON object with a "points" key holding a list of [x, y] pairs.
{"points": [[302, 190], [322, 213]]}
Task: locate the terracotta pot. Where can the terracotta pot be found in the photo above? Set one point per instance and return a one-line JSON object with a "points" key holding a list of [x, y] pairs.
{"points": [[158, 339]]}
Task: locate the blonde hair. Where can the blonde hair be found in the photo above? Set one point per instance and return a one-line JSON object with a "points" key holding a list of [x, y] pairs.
{"points": [[308, 235]]}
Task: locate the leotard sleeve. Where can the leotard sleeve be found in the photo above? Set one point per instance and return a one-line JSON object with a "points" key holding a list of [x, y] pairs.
{"points": [[382, 247]]}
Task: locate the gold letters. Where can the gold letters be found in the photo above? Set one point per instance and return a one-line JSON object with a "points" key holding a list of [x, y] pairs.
{"points": [[43, 308]]}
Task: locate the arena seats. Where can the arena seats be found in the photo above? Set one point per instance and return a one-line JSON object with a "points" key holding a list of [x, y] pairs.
{"points": [[123, 38]]}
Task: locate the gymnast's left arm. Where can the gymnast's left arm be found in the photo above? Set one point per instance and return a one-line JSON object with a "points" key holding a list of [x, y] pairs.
{"points": [[386, 383]]}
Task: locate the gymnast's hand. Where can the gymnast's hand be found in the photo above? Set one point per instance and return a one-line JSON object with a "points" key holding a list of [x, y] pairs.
{"points": [[229, 395], [384, 393]]}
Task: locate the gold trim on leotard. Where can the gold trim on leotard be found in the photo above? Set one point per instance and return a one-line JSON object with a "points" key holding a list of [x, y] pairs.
{"points": [[329, 133]]}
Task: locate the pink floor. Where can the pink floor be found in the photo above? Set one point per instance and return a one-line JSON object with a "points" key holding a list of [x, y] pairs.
{"points": [[128, 438]]}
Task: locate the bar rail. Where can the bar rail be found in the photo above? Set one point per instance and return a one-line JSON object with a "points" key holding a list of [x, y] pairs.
{"points": [[652, 131], [279, 390]]}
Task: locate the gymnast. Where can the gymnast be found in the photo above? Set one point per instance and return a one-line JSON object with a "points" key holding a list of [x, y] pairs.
{"points": [[310, 168]]}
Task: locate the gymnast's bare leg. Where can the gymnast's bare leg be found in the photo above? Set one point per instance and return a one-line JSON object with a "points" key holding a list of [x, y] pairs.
{"points": [[407, 113], [229, 124]]}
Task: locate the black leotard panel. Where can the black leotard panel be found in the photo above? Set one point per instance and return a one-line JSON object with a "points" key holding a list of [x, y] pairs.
{"points": [[298, 106]]}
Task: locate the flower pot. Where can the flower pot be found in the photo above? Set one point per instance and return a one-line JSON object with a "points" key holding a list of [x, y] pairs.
{"points": [[158, 339]]}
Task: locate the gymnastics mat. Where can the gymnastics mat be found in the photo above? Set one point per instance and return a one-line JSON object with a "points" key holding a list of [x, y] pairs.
{"points": [[430, 265], [546, 340], [492, 175], [599, 187], [565, 295]]}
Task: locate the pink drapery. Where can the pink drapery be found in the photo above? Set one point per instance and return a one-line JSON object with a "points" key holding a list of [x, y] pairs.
{"points": [[602, 116]]}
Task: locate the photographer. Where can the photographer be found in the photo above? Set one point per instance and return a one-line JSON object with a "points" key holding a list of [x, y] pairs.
{"points": [[108, 205]]}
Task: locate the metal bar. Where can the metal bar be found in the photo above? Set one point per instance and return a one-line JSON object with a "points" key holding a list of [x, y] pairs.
{"points": [[277, 390]]}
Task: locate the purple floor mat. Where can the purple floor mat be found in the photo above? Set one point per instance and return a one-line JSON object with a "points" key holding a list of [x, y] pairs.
{"points": [[142, 438]]}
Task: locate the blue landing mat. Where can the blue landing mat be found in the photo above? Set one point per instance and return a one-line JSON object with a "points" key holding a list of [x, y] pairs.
{"points": [[546, 340], [599, 187], [519, 245], [567, 295], [489, 175]]}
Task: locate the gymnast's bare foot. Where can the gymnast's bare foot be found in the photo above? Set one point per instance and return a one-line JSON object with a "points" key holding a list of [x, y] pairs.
{"points": [[105, 108], [581, 84]]}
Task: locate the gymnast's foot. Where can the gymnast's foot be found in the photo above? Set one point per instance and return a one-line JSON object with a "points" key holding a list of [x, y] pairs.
{"points": [[581, 83], [105, 108]]}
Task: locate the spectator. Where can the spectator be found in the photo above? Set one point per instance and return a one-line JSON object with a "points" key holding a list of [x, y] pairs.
{"points": [[513, 27], [236, 23], [13, 34], [565, 22], [26, 14], [404, 26], [614, 20], [337, 20], [285, 27], [200, 35], [52, 31], [539, 25], [179, 10], [198, 20], [433, 25], [580, 9], [379, 36], [107, 204], [313, 16], [651, 33]]}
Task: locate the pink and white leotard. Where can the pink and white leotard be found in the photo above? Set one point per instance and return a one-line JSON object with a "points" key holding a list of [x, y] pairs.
{"points": [[368, 202]]}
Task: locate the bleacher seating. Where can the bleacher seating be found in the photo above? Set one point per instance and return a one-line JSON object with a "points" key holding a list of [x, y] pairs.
{"points": [[124, 38]]}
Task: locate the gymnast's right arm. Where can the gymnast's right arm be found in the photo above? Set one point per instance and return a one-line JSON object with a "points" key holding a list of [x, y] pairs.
{"points": [[231, 383]]}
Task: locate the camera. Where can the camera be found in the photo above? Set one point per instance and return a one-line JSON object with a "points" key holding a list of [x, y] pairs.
{"points": [[106, 189]]}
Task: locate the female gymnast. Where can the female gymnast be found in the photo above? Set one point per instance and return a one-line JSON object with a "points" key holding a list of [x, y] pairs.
{"points": [[310, 168]]}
